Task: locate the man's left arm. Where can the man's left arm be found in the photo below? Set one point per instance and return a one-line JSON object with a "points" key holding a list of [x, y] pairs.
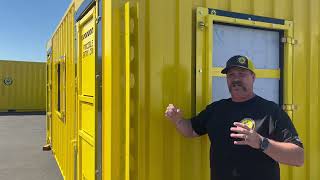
{"points": [[283, 152]]}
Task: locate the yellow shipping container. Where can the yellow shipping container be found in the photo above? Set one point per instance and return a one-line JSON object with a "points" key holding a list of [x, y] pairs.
{"points": [[61, 121], [22, 86], [116, 65]]}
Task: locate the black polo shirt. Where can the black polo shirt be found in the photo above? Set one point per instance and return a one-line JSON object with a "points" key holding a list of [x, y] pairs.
{"points": [[242, 162]]}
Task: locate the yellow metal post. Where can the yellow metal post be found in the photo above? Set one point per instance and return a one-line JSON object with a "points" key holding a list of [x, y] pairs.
{"points": [[127, 75]]}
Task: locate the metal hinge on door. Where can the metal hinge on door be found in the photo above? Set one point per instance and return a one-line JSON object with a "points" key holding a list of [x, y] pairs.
{"points": [[289, 107], [98, 19], [289, 40], [75, 157], [63, 115], [76, 84], [49, 86], [202, 25]]}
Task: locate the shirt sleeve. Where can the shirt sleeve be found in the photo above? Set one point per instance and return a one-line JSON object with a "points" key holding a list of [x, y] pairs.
{"points": [[284, 129], [199, 122]]}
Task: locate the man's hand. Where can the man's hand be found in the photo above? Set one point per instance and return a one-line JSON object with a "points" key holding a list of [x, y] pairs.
{"points": [[183, 126], [249, 136], [173, 114]]}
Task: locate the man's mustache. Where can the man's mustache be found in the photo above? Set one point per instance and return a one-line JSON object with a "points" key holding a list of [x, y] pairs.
{"points": [[238, 83]]}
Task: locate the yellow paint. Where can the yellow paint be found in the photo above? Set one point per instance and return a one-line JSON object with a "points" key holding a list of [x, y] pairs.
{"points": [[49, 94], [107, 98], [127, 86], [63, 134], [86, 78], [22, 86], [77, 3]]}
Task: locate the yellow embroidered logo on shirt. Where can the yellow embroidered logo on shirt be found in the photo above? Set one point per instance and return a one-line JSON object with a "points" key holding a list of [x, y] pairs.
{"points": [[249, 122]]}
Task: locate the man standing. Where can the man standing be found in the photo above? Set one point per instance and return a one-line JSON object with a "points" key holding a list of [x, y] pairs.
{"points": [[249, 135]]}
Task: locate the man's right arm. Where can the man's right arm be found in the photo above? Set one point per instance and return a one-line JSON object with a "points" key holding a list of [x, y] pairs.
{"points": [[185, 128]]}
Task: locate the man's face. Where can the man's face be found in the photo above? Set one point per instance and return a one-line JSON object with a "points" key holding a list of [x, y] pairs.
{"points": [[240, 82]]}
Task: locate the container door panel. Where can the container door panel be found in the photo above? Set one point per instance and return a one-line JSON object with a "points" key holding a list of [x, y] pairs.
{"points": [[86, 95], [49, 97]]}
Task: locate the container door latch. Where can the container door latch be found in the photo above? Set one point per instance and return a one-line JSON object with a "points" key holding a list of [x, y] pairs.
{"points": [[289, 40], [289, 107]]}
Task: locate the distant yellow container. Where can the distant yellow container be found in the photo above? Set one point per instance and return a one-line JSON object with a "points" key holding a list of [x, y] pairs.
{"points": [[22, 86]]}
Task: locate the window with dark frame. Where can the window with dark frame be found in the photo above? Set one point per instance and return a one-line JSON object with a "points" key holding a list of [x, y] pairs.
{"points": [[59, 88]]}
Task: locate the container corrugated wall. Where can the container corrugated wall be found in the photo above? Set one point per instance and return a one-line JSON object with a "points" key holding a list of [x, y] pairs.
{"points": [[63, 133], [165, 74], [23, 86]]}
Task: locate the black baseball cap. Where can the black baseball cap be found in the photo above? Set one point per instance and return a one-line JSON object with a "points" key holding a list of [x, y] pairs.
{"points": [[239, 61]]}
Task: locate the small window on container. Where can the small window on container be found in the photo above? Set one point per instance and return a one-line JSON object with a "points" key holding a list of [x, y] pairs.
{"points": [[58, 88]]}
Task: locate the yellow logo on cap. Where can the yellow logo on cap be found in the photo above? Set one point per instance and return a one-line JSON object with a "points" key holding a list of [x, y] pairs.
{"points": [[249, 122], [242, 60]]}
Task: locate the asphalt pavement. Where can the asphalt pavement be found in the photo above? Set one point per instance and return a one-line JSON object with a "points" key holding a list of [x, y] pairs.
{"points": [[21, 155]]}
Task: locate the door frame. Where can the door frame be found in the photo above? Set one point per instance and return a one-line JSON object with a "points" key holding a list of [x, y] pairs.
{"points": [[205, 17], [84, 8]]}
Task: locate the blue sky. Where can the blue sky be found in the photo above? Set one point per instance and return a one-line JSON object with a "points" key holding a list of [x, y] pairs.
{"points": [[26, 26]]}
